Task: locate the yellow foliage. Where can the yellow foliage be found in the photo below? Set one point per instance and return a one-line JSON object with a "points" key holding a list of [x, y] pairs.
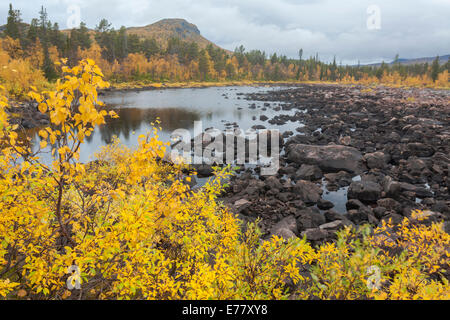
{"points": [[18, 75], [126, 226]]}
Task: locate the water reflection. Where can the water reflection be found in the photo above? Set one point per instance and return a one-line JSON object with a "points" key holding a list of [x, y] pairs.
{"points": [[176, 108], [134, 119]]}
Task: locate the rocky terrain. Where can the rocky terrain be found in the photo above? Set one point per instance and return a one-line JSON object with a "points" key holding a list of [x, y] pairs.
{"points": [[26, 115], [379, 153]]}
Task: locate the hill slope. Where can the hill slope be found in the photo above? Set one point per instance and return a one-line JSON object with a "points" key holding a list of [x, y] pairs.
{"points": [[165, 29]]}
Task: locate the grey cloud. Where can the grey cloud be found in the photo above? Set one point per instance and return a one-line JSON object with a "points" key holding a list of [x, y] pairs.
{"points": [[411, 28]]}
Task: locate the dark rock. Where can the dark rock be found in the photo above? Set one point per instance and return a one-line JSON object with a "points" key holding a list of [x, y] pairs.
{"points": [[376, 160], [324, 204], [309, 218], [394, 217], [204, 170], [307, 191], [420, 149], [309, 172], [353, 204], [367, 191], [332, 215], [357, 216], [332, 226], [315, 234], [379, 212], [331, 158], [286, 228], [273, 183], [390, 204]]}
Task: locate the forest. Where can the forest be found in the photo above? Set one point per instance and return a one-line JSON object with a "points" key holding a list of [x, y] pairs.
{"points": [[28, 53]]}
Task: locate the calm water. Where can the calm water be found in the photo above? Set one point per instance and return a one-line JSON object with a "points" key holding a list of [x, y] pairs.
{"points": [[178, 108]]}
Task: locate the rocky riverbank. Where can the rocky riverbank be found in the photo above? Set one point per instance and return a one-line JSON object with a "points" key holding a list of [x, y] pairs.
{"points": [[382, 152], [26, 115]]}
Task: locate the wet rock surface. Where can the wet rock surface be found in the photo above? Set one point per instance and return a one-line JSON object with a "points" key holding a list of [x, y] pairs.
{"points": [[26, 115], [358, 156]]}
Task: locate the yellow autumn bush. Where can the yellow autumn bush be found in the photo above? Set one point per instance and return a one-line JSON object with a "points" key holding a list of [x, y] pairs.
{"points": [[127, 226], [18, 74]]}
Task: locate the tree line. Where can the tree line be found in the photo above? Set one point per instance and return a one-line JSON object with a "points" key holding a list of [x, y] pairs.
{"points": [[127, 57]]}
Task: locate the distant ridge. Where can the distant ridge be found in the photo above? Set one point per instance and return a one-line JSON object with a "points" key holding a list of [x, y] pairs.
{"points": [[442, 60]]}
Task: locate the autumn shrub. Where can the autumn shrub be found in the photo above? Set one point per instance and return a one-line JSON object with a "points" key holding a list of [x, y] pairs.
{"points": [[128, 226], [17, 74]]}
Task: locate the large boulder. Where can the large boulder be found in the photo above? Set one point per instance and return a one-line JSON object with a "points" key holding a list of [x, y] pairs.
{"points": [[366, 191], [330, 158]]}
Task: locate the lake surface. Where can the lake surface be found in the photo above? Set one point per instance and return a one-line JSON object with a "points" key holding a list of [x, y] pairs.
{"points": [[178, 109], [218, 107]]}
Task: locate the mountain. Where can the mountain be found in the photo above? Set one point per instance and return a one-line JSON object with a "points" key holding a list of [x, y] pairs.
{"points": [[165, 29], [429, 60]]}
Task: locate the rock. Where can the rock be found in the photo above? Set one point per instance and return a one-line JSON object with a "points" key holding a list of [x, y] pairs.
{"points": [[447, 226], [241, 203], [391, 188], [357, 216], [394, 217], [420, 149], [315, 234], [309, 218], [284, 233], [27, 124], [354, 204], [285, 228], [285, 196], [332, 215], [427, 216], [346, 141], [204, 170], [287, 134], [258, 127], [263, 118], [418, 191], [308, 172], [331, 158], [332, 226], [390, 204], [376, 160], [307, 191], [273, 183], [366, 191], [442, 207], [254, 187], [415, 165], [323, 204], [341, 178]]}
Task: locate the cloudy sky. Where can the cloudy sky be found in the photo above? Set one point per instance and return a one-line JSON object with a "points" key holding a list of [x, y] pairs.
{"points": [[365, 30]]}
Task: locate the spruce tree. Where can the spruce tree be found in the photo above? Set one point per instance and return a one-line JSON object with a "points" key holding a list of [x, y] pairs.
{"points": [[435, 69], [13, 23]]}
